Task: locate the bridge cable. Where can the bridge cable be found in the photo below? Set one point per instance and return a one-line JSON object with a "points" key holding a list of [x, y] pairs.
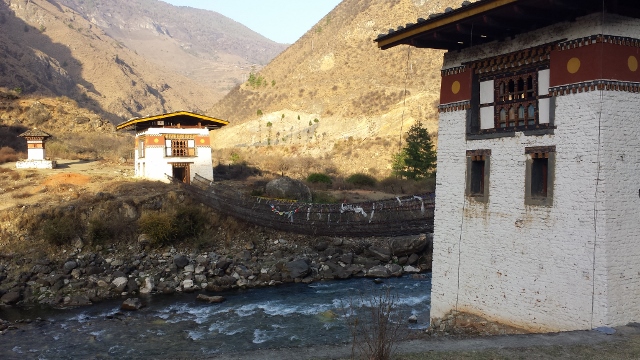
{"points": [[404, 101]]}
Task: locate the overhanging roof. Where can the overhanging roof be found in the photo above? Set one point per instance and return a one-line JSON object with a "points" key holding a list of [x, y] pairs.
{"points": [[184, 118], [490, 20]]}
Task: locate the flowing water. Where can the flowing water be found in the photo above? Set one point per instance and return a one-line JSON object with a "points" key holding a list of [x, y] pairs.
{"points": [[178, 326]]}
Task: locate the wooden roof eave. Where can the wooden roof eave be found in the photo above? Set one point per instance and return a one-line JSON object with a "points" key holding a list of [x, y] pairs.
{"points": [[455, 16], [132, 123]]}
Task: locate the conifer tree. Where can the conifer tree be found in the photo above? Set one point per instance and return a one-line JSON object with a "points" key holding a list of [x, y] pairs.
{"points": [[417, 160]]}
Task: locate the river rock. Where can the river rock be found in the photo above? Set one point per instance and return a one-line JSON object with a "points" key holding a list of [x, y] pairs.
{"points": [[189, 268], [132, 285], [410, 269], [187, 284], [147, 288], [321, 245], [412, 259], [382, 253], [395, 269], [210, 299], [409, 245], [379, 271], [180, 261], [10, 298], [120, 283], [287, 188], [298, 268], [413, 319], [131, 304], [69, 265]]}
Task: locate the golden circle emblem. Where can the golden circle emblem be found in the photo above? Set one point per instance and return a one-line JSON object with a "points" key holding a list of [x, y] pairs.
{"points": [[573, 65], [455, 87], [633, 63]]}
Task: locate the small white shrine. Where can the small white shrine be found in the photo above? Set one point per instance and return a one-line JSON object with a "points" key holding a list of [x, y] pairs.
{"points": [[36, 156]]}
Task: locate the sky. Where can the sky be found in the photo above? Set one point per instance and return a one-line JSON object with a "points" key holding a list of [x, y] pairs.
{"points": [[283, 21]]}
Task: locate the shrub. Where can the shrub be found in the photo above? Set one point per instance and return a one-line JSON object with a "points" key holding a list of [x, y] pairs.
{"points": [[360, 179], [316, 178], [189, 222], [159, 227], [375, 325], [321, 197], [60, 230], [8, 154]]}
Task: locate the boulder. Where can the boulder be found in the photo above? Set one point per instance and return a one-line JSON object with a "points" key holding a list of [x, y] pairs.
{"points": [[70, 265], [210, 299], [298, 268], [131, 304], [410, 269], [409, 245], [120, 283], [187, 284], [379, 272], [10, 298], [412, 259], [287, 188], [382, 253], [180, 261], [395, 269]]}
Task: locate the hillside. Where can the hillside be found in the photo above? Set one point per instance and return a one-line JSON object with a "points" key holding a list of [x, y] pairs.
{"points": [[336, 74], [50, 49], [205, 46]]}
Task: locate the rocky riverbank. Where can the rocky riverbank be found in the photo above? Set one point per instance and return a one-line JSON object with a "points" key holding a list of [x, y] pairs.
{"points": [[83, 275]]}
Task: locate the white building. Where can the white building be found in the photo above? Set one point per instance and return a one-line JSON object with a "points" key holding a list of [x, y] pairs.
{"points": [[175, 145], [537, 220]]}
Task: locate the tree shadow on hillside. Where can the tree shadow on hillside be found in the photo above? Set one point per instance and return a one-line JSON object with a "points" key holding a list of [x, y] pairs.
{"points": [[27, 70], [235, 172], [9, 138]]}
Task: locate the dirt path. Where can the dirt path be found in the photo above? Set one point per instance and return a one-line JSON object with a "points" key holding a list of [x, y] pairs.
{"points": [[624, 344]]}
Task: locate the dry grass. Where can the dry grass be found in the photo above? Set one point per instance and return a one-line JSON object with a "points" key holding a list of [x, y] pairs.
{"points": [[8, 154]]}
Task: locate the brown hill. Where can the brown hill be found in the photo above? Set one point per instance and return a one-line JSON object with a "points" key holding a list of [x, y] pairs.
{"points": [[50, 49], [202, 45], [335, 85]]}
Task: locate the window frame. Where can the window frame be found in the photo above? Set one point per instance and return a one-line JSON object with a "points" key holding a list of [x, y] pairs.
{"points": [[487, 101], [542, 155], [180, 148], [478, 156]]}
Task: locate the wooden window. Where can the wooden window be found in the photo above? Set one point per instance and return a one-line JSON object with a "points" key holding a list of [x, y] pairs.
{"points": [[141, 148], [180, 148], [478, 164], [477, 175], [540, 174]]}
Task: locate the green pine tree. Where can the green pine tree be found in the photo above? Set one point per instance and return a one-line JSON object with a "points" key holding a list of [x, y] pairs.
{"points": [[417, 160]]}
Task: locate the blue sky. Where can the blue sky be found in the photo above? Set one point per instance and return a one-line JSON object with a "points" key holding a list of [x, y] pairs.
{"points": [[283, 21]]}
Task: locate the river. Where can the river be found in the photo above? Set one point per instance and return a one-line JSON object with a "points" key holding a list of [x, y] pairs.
{"points": [[178, 326]]}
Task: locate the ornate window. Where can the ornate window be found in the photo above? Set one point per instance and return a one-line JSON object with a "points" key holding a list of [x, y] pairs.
{"points": [[180, 147], [511, 93]]}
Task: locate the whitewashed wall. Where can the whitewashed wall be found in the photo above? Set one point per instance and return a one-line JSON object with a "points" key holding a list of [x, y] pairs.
{"points": [[533, 266]]}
